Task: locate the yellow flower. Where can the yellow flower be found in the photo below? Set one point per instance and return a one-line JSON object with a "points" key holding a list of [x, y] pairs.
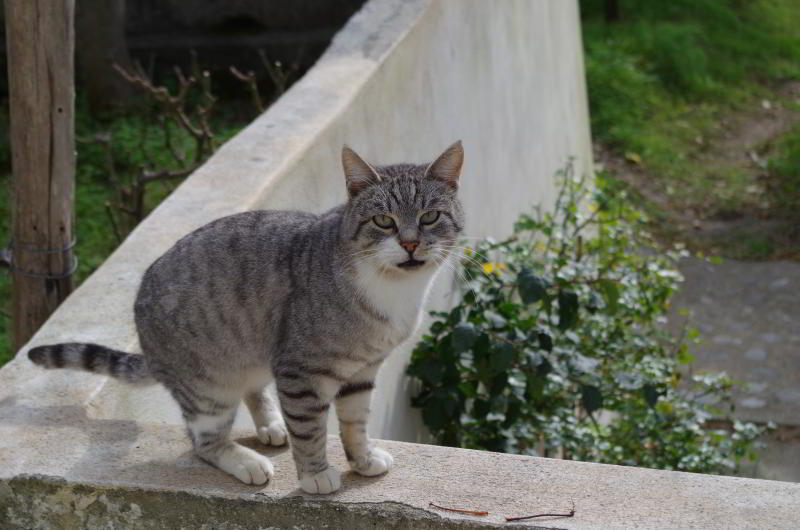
{"points": [[497, 268]]}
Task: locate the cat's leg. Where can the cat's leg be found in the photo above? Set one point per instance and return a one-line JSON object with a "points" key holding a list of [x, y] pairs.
{"points": [[209, 428], [352, 408], [266, 414], [305, 401]]}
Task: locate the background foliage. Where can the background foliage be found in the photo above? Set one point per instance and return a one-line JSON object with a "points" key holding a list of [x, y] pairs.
{"points": [[558, 348], [661, 57], [672, 88], [137, 140]]}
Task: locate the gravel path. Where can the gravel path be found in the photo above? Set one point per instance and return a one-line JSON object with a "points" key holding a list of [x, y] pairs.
{"points": [[748, 316]]}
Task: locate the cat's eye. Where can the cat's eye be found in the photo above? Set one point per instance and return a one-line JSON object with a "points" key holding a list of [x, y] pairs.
{"points": [[428, 218], [383, 221]]}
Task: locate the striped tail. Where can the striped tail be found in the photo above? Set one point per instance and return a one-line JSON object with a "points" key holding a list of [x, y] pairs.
{"points": [[131, 368]]}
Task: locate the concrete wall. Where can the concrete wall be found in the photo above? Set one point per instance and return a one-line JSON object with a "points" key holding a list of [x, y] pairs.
{"points": [[402, 81]]}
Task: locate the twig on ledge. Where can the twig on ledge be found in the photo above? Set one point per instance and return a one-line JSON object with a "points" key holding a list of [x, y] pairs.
{"points": [[570, 514], [468, 512]]}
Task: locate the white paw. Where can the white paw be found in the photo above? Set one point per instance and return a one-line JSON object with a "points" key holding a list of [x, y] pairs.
{"points": [[377, 462], [247, 465], [274, 434], [324, 482]]}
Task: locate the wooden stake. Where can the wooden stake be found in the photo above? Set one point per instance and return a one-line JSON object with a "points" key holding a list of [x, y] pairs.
{"points": [[40, 37]]}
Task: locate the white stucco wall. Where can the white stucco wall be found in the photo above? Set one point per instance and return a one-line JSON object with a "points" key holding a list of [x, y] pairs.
{"points": [[402, 81]]}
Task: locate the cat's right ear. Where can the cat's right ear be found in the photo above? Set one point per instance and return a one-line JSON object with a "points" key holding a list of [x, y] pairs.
{"points": [[357, 173]]}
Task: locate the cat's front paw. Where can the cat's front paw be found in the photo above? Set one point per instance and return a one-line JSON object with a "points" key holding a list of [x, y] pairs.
{"points": [[324, 482], [246, 465], [274, 434], [376, 462]]}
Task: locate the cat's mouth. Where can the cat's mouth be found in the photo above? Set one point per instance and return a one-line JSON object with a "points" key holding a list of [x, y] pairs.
{"points": [[411, 264]]}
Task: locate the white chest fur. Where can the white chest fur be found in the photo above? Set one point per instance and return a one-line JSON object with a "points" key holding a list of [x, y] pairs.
{"points": [[400, 299]]}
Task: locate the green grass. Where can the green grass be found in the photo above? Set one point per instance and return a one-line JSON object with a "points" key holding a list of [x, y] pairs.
{"points": [[659, 79], [784, 170], [136, 142]]}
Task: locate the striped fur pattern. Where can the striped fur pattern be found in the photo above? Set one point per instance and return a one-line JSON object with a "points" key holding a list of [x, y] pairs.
{"points": [[94, 358], [310, 304]]}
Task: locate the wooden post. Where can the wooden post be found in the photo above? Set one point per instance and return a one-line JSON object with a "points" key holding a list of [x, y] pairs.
{"points": [[40, 43]]}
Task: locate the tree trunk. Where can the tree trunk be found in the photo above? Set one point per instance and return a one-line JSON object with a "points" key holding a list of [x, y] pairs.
{"points": [[612, 11], [40, 39], [100, 42]]}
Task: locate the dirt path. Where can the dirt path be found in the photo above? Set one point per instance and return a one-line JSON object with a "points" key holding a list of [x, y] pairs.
{"points": [[743, 143]]}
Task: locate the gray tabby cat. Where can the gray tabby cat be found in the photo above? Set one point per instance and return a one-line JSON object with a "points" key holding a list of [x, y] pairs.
{"points": [[313, 302]]}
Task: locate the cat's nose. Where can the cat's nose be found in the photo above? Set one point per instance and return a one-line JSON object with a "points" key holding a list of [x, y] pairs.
{"points": [[410, 246]]}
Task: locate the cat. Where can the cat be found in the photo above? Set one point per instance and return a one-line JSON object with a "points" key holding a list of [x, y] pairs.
{"points": [[314, 303]]}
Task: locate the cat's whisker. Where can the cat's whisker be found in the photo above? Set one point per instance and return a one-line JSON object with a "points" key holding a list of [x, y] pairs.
{"points": [[465, 272], [459, 273], [462, 256], [465, 250], [362, 251]]}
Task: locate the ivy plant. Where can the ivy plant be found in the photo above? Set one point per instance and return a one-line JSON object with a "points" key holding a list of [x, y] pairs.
{"points": [[558, 347]]}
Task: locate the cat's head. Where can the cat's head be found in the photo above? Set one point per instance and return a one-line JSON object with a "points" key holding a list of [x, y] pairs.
{"points": [[403, 218]]}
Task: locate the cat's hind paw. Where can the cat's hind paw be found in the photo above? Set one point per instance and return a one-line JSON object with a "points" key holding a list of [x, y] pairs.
{"points": [[274, 434], [376, 462], [322, 483]]}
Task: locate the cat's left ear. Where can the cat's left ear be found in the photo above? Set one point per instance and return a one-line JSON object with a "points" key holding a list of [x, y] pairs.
{"points": [[447, 167], [357, 173]]}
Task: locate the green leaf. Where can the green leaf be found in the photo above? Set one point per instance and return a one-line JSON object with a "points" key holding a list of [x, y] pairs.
{"points": [[498, 384], [534, 358], [591, 398], [545, 341], [535, 387], [463, 337], [495, 320], [525, 222], [502, 357], [611, 294], [594, 302], [628, 380], [532, 288], [441, 409], [482, 347], [468, 389], [684, 357], [429, 370], [567, 309], [480, 408], [583, 364], [513, 413], [544, 368], [651, 394], [434, 415]]}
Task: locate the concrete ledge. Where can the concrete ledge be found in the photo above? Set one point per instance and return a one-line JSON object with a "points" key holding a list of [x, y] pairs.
{"points": [[86, 473]]}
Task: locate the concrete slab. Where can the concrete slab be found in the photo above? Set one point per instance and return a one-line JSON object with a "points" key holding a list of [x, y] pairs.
{"points": [[61, 469], [748, 316]]}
